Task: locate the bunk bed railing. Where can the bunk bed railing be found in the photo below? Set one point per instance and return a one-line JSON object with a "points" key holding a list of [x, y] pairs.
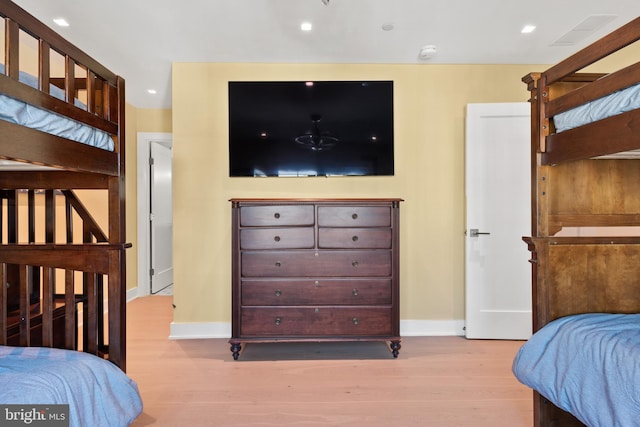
{"points": [[59, 284], [58, 78], [91, 229], [53, 321], [627, 138], [99, 83], [602, 86], [58, 64], [568, 269], [624, 36], [35, 28], [25, 144], [565, 86]]}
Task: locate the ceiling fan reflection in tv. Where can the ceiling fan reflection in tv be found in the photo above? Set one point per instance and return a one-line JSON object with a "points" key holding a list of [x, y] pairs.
{"points": [[315, 139]]}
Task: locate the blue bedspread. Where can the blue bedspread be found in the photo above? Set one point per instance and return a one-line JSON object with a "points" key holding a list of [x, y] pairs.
{"points": [[21, 113], [97, 391], [588, 365], [610, 105]]}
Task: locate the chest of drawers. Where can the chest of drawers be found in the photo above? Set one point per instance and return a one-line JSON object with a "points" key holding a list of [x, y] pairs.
{"points": [[315, 270]]}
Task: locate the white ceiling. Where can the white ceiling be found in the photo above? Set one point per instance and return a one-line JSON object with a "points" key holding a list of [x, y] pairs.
{"points": [[139, 39]]}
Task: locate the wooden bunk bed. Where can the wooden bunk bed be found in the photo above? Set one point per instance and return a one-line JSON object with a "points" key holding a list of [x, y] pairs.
{"points": [[585, 209], [62, 134]]}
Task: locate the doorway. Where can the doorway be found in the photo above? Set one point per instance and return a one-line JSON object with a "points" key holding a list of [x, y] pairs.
{"points": [[155, 223]]}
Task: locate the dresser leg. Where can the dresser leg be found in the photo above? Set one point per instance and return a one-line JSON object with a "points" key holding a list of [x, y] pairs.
{"points": [[395, 348], [235, 348]]}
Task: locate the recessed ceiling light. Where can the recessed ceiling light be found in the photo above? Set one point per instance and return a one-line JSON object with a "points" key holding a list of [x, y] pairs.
{"points": [[306, 26], [61, 22], [152, 91], [387, 27], [528, 29]]}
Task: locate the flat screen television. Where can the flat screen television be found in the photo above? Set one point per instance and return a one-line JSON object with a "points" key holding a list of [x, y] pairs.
{"points": [[305, 128]]}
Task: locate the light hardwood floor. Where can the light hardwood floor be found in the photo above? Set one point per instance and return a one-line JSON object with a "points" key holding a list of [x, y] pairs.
{"points": [[436, 381]]}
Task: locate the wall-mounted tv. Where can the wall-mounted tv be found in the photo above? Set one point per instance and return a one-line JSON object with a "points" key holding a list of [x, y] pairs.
{"points": [[311, 128]]}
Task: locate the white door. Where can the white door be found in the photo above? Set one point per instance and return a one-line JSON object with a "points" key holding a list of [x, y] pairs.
{"points": [[161, 218], [498, 274]]}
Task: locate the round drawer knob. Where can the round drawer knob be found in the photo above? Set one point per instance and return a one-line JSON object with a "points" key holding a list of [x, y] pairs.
{"points": [[355, 292], [278, 321], [278, 264], [354, 263], [354, 321], [354, 216], [276, 215], [354, 238], [277, 238], [278, 292]]}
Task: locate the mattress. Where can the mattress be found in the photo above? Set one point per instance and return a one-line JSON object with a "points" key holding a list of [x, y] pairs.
{"points": [[24, 114], [98, 392], [607, 106], [588, 365]]}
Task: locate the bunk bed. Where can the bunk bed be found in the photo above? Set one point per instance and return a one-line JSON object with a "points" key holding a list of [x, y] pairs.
{"points": [[583, 360], [62, 226]]}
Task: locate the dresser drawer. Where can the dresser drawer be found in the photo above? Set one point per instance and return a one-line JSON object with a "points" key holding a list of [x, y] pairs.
{"points": [[315, 321], [316, 263], [354, 238], [316, 292], [354, 216], [276, 215], [277, 238]]}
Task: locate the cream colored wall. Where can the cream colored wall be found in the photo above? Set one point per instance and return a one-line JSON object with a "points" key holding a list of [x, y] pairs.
{"points": [[429, 114], [131, 194], [153, 120]]}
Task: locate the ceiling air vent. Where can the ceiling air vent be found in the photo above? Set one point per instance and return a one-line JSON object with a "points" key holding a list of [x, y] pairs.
{"points": [[584, 30]]}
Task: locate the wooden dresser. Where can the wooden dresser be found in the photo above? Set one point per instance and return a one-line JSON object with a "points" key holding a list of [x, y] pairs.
{"points": [[315, 270]]}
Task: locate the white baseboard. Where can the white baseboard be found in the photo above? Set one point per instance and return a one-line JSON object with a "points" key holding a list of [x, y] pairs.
{"points": [[132, 294], [408, 328], [431, 328], [180, 331]]}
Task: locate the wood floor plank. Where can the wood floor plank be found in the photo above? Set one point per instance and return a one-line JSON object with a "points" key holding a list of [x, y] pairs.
{"points": [[436, 381]]}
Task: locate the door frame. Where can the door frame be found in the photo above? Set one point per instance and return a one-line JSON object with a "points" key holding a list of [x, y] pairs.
{"points": [[144, 141]]}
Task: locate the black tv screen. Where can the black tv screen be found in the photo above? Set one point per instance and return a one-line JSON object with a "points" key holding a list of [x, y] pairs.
{"points": [[304, 128]]}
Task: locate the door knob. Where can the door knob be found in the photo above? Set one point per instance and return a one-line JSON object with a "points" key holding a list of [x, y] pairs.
{"points": [[474, 232]]}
